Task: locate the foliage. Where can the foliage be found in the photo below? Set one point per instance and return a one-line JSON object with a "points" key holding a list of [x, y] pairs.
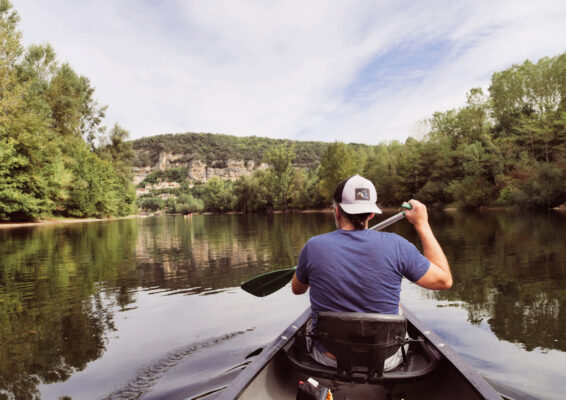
{"points": [[49, 122], [507, 147], [218, 148], [62, 322], [218, 195], [152, 203], [500, 148], [279, 174], [545, 189], [250, 194], [338, 162], [184, 204], [470, 192], [175, 174]]}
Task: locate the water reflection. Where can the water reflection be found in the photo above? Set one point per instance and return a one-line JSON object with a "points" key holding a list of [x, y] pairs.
{"points": [[214, 252], [53, 317], [509, 270], [61, 287]]}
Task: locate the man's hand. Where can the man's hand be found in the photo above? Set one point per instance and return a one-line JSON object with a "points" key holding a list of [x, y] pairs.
{"points": [[418, 215]]}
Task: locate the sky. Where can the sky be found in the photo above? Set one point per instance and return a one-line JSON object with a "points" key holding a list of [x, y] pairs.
{"points": [[362, 71]]}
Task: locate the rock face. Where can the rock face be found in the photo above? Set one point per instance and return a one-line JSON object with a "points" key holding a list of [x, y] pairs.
{"points": [[199, 170]]}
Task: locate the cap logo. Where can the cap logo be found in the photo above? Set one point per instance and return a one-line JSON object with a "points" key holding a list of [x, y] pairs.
{"points": [[362, 194]]}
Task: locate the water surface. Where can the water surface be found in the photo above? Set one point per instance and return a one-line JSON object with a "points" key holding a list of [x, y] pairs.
{"points": [[152, 307]]}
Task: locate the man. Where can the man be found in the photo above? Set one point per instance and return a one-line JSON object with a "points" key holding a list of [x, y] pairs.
{"points": [[360, 270]]}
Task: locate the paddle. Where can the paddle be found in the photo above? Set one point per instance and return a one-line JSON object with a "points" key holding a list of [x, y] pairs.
{"points": [[265, 284]]}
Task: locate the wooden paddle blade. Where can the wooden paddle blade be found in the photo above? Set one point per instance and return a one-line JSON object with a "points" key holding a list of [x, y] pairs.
{"points": [[269, 282]]}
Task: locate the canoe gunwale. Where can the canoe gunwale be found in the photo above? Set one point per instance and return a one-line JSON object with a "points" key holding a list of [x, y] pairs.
{"points": [[480, 385], [244, 379]]}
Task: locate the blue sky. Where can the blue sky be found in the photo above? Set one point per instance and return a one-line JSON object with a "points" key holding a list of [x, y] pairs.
{"points": [[355, 71]]}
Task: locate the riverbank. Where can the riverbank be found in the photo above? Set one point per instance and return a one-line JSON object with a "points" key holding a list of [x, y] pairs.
{"points": [[48, 222], [55, 221]]}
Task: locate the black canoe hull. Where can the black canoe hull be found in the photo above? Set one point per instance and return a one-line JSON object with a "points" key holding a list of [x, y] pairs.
{"points": [[272, 376]]}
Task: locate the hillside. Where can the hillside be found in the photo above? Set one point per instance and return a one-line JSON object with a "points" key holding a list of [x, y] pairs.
{"points": [[205, 155], [217, 149]]}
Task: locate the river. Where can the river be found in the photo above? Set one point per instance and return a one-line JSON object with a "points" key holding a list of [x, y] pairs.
{"points": [[151, 307]]}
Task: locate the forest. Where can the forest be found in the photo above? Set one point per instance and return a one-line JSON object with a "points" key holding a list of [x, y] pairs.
{"points": [[506, 146], [503, 148], [56, 157], [211, 148]]}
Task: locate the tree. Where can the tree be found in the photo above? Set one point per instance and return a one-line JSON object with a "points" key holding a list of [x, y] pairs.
{"points": [[33, 175], [304, 190], [338, 162], [74, 110], [13, 201], [95, 190], [545, 189], [527, 89], [280, 173], [152, 204], [186, 204], [121, 154], [217, 196], [248, 194], [47, 117]]}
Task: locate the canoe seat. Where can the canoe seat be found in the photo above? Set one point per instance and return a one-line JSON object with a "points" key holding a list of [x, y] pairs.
{"points": [[361, 342]]}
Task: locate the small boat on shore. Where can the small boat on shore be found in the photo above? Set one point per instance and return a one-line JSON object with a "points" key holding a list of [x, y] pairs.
{"points": [[361, 342]]}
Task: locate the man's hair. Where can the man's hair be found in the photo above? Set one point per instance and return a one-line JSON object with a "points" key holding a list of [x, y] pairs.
{"points": [[358, 220]]}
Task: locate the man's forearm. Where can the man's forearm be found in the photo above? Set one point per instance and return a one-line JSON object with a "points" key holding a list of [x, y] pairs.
{"points": [[431, 247]]}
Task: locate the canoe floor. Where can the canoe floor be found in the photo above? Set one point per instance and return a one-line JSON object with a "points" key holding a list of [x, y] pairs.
{"points": [[279, 381]]}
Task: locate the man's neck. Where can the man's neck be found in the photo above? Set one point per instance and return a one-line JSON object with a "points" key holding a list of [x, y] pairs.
{"points": [[346, 225]]}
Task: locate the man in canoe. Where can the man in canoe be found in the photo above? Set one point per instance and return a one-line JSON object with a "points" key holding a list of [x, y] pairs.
{"points": [[357, 269]]}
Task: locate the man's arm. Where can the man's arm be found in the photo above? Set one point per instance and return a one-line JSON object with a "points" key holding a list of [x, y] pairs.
{"points": [[438, 275], [297, 286]]}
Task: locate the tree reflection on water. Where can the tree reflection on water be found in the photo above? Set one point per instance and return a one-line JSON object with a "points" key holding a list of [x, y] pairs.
{"points": [[60, 287], [54, 316], [509, 269]]}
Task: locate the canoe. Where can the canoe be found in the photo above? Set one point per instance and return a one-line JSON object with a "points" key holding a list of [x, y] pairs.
{"points": [[430, 370]]}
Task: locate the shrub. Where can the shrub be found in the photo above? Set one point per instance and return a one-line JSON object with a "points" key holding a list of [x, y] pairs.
{"points": [[545, 189]]}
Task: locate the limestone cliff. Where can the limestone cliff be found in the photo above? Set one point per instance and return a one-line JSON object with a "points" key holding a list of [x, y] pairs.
{"points": [[199, 170]]}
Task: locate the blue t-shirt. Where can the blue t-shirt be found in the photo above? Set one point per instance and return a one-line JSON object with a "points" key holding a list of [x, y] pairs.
{"points": [[359, 271]]}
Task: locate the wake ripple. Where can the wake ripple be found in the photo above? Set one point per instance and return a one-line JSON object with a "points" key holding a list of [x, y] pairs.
{"points": [[148, 376]]}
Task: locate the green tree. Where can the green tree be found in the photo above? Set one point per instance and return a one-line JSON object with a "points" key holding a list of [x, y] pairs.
{"points": [[121, 154], [249, 194], [47, 112], [186, 204], [95, 190], [33, 176], [304, 189], [280, 172], [545, 189], [73, 108], [217, 195], [152, 204], [338, 162]]}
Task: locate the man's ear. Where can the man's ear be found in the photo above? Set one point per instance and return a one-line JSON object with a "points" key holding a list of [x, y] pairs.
{"points": [[336, 211]]}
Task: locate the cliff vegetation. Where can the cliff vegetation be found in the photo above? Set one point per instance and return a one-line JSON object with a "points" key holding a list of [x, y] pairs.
{"points": [[506, 147]]}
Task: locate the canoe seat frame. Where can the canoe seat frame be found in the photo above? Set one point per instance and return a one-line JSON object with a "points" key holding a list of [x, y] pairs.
{"points": [[361, 343]]}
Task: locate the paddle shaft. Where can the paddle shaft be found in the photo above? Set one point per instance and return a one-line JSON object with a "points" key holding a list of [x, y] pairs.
{"points": [[388, 221]]}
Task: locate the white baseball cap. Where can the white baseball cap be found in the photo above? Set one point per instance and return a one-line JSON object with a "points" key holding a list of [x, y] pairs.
{"points": [[357, 195]]}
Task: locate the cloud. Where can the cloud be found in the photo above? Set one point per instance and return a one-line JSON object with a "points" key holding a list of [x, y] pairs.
{"points": [[358, 71]]}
